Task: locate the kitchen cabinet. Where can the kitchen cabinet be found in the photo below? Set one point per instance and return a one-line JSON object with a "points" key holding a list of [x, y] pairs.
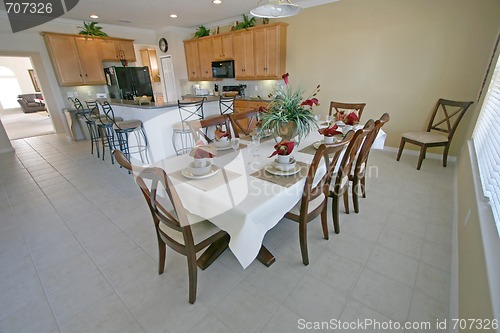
{"points": [[243, 50], [222, 47], [75, 60], [148, 57], [192, 60], [205, 57], [112, 49], [270, 54]]}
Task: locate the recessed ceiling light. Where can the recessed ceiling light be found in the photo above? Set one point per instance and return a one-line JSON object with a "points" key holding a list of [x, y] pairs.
{"points": [[94, 16], [173, 15], [217, 2]]}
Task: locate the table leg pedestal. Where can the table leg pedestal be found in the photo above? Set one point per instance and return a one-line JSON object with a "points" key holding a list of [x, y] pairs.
{"points": [[266, 257]]}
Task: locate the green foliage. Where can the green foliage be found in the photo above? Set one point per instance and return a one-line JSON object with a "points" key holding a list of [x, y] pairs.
{"points": [[201, 32], [92, 29], [286, 107], [247, 23]]}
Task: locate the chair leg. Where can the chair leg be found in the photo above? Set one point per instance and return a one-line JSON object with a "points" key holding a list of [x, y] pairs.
{"points": [[163, 254], [355, 192], [423, 150], [401, 147], [324, 221], [303, 241], [363, 187], [193, 277], [335, 212], [445, 155]]}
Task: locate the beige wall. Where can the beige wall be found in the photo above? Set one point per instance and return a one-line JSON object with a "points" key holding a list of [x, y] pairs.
{"points": [[398, 56]]}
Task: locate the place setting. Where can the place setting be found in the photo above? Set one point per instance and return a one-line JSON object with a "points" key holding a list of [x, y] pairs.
{"points": [[283, 170], [330, 134], [224, 144]]}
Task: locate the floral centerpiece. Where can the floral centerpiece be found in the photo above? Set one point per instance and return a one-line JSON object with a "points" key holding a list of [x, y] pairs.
{"points": [[289, 114]]}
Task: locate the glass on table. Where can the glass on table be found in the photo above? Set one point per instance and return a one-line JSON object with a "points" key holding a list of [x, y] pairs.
{"points": [[235, 144], [254, 145], [328, 119]]}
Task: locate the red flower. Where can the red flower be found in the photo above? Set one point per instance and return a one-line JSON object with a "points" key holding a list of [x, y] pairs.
{"points": [[329, 131], [351, 119], [283, 148], [310, 102], [285, 78]]}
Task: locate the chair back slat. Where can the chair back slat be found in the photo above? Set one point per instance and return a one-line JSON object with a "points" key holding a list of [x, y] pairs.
{"points": [[200, 128], [191, 110], [342, 108], [449, 113], [244, 122]]}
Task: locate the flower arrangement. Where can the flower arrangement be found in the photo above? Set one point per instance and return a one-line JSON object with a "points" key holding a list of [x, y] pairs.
{"points": [[283, 148], [289, 114]]}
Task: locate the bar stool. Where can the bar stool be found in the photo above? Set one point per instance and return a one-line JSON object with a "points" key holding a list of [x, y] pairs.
{"points": [[90, 122], [102, 124], [226, 105], [118, 133], [182, 138]]}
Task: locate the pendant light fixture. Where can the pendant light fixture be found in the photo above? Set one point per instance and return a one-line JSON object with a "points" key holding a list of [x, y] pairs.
{"points": [[275, 9]]}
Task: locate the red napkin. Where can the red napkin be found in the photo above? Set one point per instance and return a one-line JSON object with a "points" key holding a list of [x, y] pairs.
{"points": [[202, 151], [283, 148], [329, 131], [351, 119], [219, 133]]}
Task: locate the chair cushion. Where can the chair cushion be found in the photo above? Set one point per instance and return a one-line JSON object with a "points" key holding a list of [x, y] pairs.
{"points": [[313, 204], [200, 230], [127, 124], [425, 137]]}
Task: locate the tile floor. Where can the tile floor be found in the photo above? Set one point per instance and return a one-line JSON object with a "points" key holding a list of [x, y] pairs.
{"points": [[78, 254]]}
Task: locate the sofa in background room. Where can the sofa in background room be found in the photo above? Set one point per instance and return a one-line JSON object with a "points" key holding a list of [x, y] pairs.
{"points": [[28, 103]]}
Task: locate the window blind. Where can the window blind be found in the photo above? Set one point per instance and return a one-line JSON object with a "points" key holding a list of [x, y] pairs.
{"points": [[486, 138]]}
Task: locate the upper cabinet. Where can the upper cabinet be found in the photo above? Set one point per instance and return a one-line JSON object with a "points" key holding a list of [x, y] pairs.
{"points": [[148, 57], [222, 47], [75, 59], [259, 53], [116, 49]]}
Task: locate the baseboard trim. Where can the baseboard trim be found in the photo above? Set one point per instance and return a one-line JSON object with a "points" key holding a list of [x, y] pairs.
{"points": [[433, 156]]}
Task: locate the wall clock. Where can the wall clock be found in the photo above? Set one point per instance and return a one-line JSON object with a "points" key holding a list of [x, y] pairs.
{"points": [[163, 45]]}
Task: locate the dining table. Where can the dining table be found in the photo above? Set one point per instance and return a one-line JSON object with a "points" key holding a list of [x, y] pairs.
{"points": [[244, 194]]}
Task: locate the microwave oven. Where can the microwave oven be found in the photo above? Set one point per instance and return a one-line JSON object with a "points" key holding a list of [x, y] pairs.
{"points": [[223, 69]]}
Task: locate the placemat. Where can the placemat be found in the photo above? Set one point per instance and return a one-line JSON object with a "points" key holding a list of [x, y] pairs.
{"points": [[308, 150], [285, 181], [207, 184]]}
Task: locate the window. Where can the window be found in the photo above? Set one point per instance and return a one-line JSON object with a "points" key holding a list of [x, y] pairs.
{"points": [[486, 139]]}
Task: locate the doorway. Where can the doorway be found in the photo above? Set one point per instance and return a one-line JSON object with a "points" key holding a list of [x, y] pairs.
{"points": [[27, 117]]}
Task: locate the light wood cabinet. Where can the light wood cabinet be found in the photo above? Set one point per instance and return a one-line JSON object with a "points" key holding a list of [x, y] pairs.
{"points": [[192, 60], [259, 53], [148, 57], [76, 60], [243, 52], [222, 47], [114, 49], [248, 105], [205, 56], [270, 55]]}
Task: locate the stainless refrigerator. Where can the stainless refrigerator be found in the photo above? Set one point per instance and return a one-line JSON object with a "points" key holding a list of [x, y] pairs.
{"points": [[127, 82]]}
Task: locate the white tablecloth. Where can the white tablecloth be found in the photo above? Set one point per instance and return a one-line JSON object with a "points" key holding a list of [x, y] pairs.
{"points": [[245, 207]]}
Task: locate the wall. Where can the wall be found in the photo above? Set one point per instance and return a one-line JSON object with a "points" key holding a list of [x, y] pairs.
{"points": [[398, 56], [20, 66]]}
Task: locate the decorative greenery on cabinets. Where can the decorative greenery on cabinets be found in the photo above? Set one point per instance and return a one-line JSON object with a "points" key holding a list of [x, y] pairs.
{"points": [[247, 23], [201, 32], [92, 29]]}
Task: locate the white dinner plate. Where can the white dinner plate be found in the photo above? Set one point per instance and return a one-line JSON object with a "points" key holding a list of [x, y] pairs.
{"points": [[271, 168], [188, 174]]}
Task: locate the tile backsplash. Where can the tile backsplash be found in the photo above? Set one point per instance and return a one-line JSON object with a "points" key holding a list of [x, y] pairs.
{"points": [[256, 88]]}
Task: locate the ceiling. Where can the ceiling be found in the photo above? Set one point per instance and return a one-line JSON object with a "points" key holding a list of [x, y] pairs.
{"points": [[155, 14]]}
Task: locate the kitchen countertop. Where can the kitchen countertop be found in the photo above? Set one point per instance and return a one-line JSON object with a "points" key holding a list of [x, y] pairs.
{"points": [[210, 98]]}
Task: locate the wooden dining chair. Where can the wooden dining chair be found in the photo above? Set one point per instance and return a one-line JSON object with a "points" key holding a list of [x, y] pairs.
{"points": [[444, 122], [243, 123], [315, 196], [226, 105], [201, 128], [176, 228], [357, 176], [341, 108], [340, 186]]}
